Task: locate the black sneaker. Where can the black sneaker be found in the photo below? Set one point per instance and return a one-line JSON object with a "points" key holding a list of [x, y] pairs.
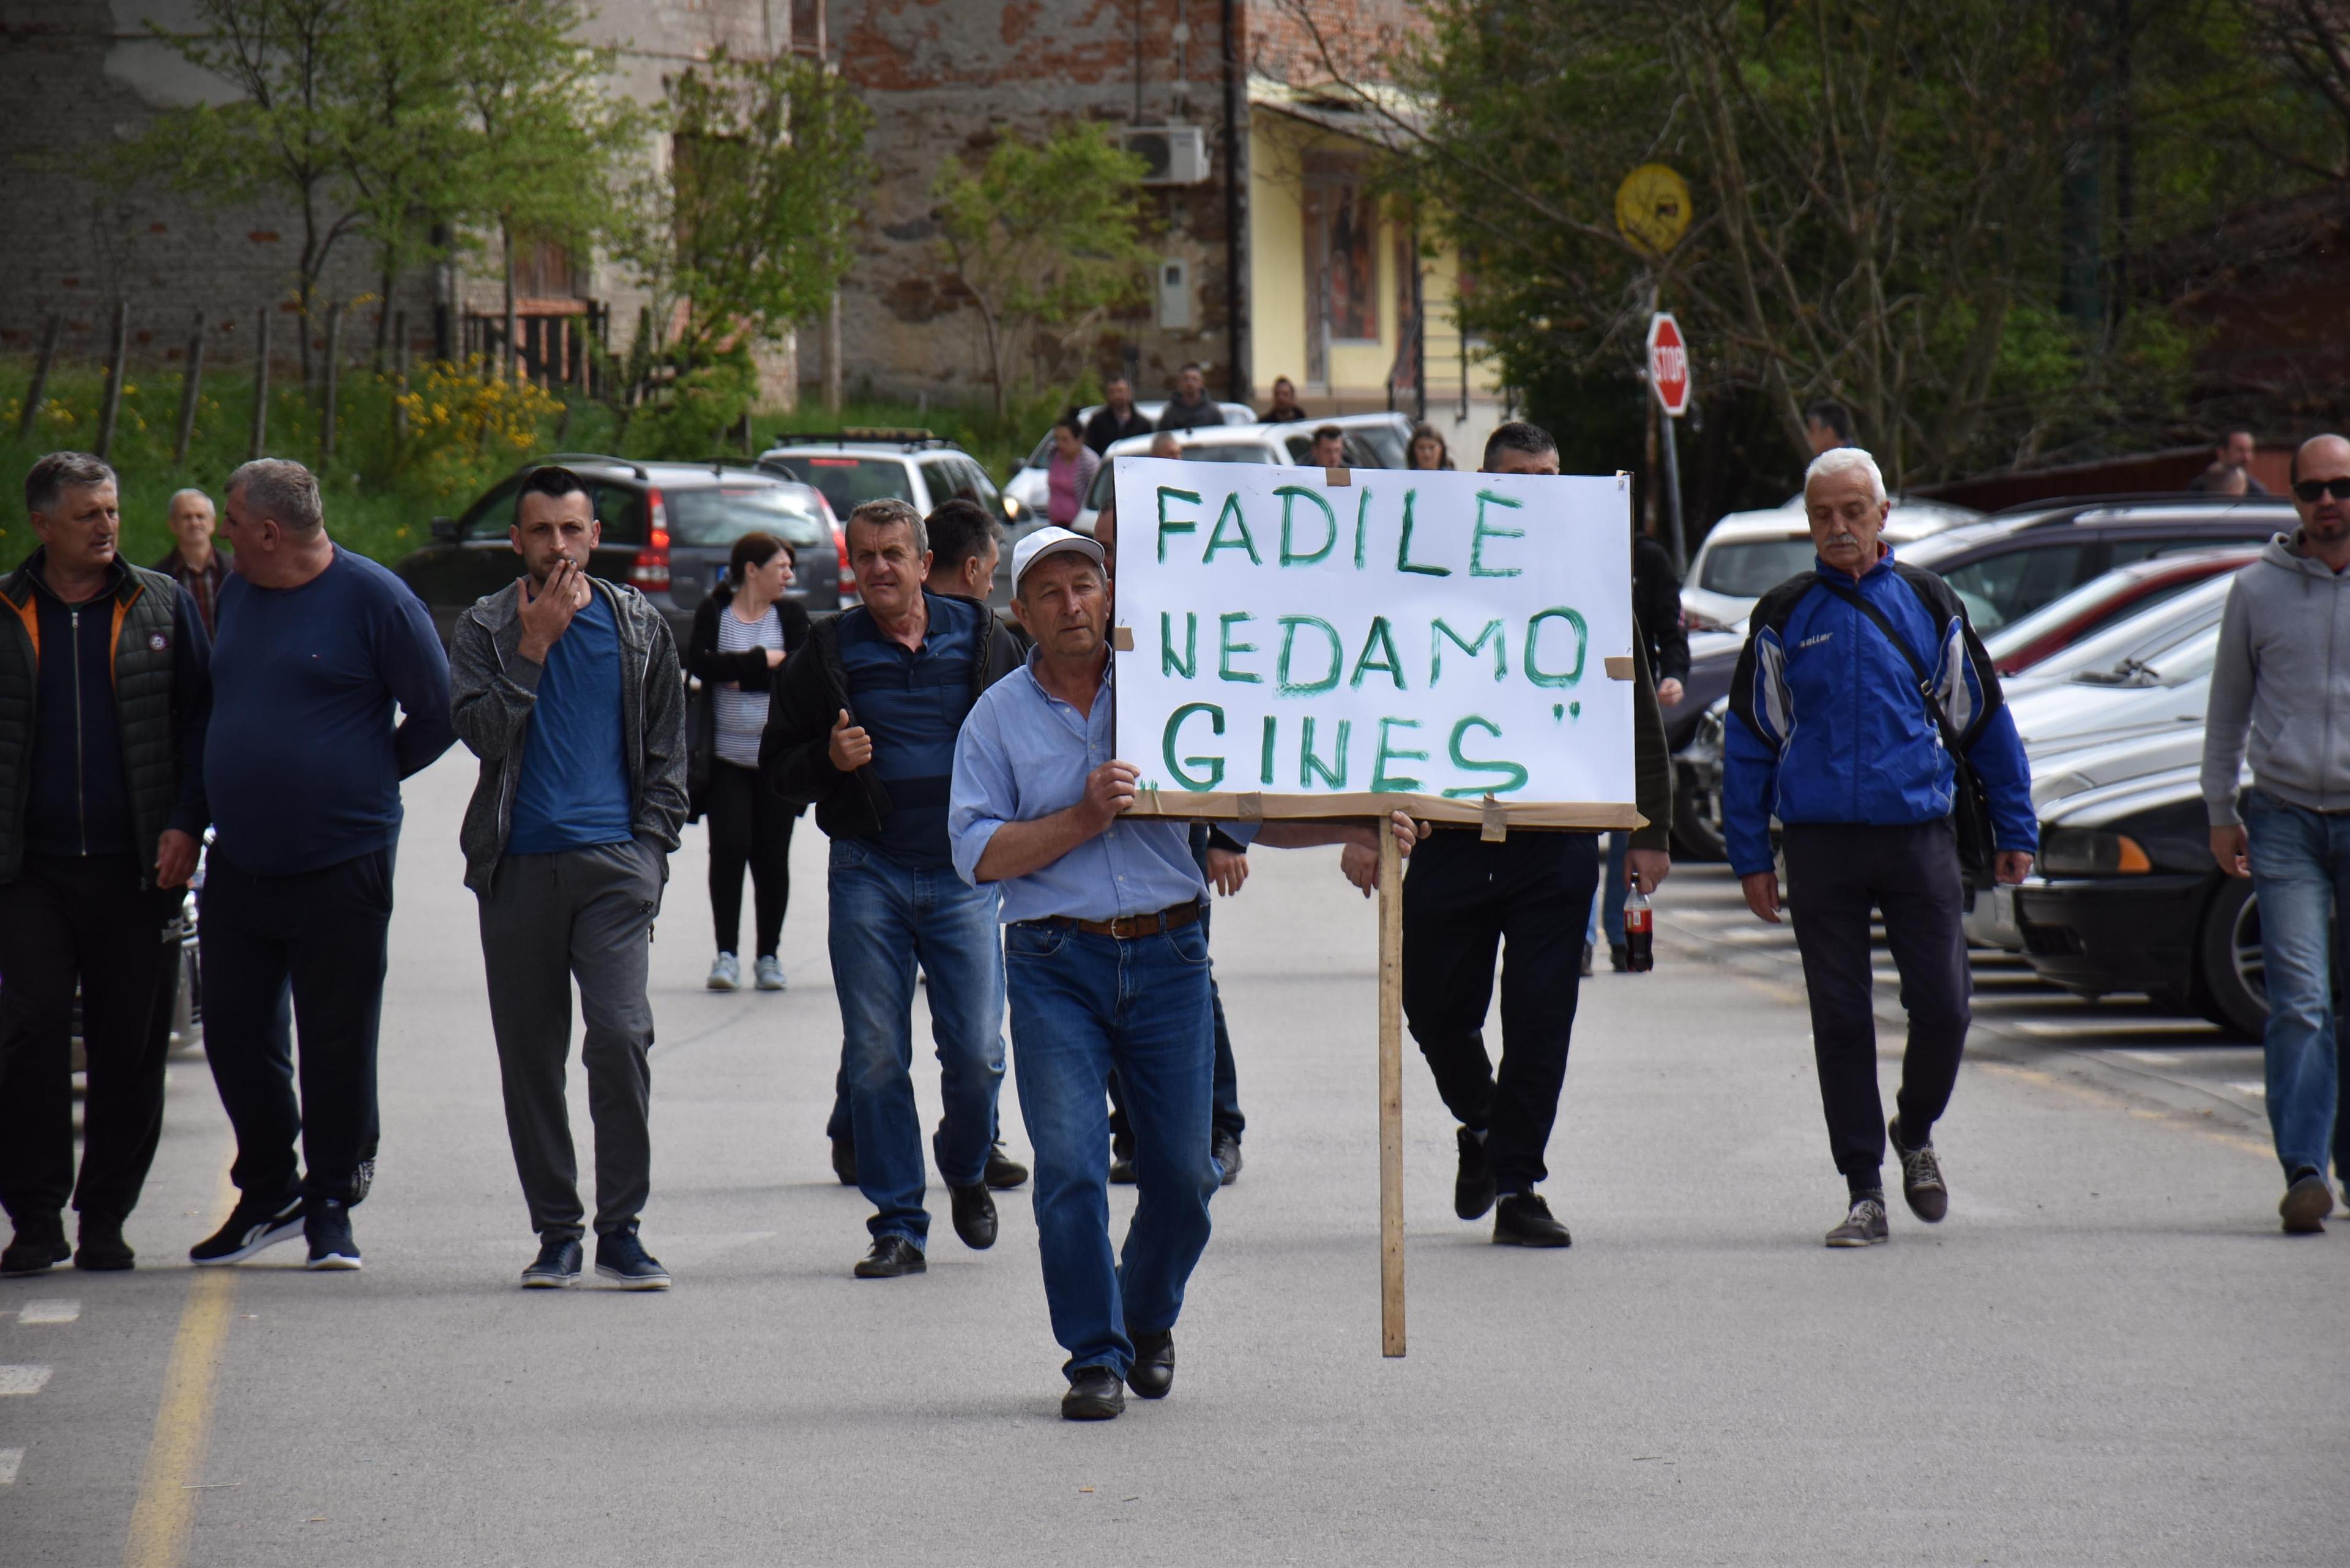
{"points": [[1523, 1220], [1153, 1372], [622, 1259], [2306, 1204], [1003, 1172], [892, 1255], [844, 1160], [1472, 1189], [1122, 1168], [36, 1249], [102, 1249], [1225, 1149], [253, 1227], [328, 1224], [1864, 1225], [975, 1216], [1620, 958], [1921, 1176], [556, 1267], [1095, 1394]]}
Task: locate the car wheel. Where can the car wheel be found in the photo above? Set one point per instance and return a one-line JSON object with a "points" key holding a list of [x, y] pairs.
{"points": [[2233, 993], [1697, 816]]}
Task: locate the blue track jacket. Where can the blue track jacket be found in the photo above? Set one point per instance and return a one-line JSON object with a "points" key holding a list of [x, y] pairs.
{"points": [[1827, 723]]}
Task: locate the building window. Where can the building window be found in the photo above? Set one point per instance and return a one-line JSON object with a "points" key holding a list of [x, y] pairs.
{"points": [[1341, 227]]}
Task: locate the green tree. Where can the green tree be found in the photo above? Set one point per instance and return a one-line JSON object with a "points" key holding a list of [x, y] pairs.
{"points": [[1042, 238]]}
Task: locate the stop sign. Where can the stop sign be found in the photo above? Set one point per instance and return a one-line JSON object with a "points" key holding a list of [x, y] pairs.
{"points": [[1669, 366]]}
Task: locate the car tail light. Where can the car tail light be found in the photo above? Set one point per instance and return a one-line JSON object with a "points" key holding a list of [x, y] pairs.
{"points": [[651, 568]]}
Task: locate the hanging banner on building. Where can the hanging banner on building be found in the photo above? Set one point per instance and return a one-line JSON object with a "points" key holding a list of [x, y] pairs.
{"points": [[1303, 642]]}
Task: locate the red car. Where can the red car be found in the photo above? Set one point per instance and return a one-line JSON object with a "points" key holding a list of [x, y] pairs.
{"points": [[2106, 601]]}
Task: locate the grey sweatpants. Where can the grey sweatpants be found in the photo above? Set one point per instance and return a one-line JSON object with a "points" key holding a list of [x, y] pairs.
{"points": [[548, 919]]}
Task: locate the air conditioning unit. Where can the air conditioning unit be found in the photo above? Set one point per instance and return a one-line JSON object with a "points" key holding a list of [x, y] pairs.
{"points": [[1172, 154]]}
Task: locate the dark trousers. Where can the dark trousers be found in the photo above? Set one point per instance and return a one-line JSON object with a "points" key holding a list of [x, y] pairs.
{"points": [[68, 919], [749, 827], [1463, 899], [584, 915], [299, 953], [1835, 873]]}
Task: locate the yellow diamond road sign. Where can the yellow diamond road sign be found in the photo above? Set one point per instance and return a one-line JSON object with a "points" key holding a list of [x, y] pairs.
{"points": [[1652, 208]]}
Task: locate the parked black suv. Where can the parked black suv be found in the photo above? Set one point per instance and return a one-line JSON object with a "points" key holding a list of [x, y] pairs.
{"points": [[668, 529]]}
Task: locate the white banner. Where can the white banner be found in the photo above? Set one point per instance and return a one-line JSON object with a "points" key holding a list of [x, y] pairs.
{"points": [[1303, 642]]}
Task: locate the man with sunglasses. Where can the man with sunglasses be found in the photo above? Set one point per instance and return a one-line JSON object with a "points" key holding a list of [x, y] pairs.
{"points": [[2282, 681]]}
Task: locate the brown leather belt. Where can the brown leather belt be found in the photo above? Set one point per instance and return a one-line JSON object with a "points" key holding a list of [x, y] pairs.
{"points": [[1174, 918]]}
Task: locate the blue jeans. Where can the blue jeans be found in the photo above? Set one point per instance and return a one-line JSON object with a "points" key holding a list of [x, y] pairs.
{"points": [[886, 917], [1081, 1005], [2301, 871], [1607, 908]]}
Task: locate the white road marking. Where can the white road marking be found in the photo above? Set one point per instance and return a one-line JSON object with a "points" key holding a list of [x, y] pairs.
{"points": [[2153, 1058], [50, 1312], [2246, 1087], [2069, 1029], [9, 1459], [23, 1379]]}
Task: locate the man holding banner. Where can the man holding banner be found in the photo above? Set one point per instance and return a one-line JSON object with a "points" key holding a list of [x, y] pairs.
{"points": [[1107, 968]]}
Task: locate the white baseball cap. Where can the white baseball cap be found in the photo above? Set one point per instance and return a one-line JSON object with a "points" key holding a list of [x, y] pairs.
{"points": [[1050, 541]]}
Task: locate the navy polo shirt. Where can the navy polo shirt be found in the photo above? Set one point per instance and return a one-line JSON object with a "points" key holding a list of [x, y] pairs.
{"points": [[913, 703]]}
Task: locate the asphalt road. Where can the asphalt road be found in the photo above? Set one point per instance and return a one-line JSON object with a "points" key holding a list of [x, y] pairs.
{"points": [[2107, 1354]]}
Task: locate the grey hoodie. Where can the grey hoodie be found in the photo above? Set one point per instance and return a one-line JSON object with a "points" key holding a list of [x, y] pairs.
{"points": [[2282, 672], [493, 687]]}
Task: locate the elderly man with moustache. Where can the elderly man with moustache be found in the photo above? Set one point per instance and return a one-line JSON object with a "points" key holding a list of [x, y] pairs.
{"points": [[193, 563], [567, 688], [1834, 731], [318, 647], [1107, 968], [104, 697]]}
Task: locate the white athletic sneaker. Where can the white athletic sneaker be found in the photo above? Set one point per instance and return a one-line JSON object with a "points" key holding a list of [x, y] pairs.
{"points": [[725, 974], [770, 973]]}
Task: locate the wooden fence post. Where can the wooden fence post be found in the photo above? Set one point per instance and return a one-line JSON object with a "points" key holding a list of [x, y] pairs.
{"points": [[38, 393], [260, 385], [334, 380], [190, 384], [400, 376], [110, 408]]}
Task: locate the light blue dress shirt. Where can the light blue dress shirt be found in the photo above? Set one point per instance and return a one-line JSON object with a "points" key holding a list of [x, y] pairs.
{"points": [[1024, 753]]}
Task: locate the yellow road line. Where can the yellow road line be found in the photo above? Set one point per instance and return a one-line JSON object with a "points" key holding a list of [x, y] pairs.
{"points": [[158, 1524]]}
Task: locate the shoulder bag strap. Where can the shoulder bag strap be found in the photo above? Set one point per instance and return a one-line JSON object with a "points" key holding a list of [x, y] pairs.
{"points": [[1917, 667]]}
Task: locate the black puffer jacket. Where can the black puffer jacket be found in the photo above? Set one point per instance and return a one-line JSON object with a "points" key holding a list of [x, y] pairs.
{"points": [[706, 664]]}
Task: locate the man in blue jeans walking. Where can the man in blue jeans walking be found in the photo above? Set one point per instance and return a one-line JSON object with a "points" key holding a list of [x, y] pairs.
{"points": [[1107, 968], [2281, 682], [863, 728]]}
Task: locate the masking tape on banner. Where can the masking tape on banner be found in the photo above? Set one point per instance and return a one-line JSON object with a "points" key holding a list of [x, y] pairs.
{"points": [[1122, 638], [1336, 479], [1619, 667], [1496, 819]]}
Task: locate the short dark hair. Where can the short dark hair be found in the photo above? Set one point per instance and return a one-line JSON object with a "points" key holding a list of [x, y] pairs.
{"points": [[960, 529], [2221, 436], [46, 484], [756, 548], [1835, 415], [1067, 421], [1329, 432], [551, 479], [1519, 436]]}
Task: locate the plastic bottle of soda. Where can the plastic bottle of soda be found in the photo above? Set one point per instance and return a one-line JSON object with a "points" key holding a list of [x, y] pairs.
{"points": [[1640, 933]]}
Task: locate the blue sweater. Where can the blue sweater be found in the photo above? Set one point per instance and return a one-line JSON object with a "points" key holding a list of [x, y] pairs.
{"points": [[302, 762], [1827, 723]]}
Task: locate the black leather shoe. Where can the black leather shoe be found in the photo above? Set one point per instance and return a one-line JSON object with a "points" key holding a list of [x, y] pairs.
{"points": [[844, 1160], [975, 1216], [1003, 1172], [1472, 1189], [1522, 1219], [1153, 1372], [1226, 1148], [891, 1256], [1095, 1394], [1122, 1168], [1620, 958], [103, 1250], [35, 1250]]}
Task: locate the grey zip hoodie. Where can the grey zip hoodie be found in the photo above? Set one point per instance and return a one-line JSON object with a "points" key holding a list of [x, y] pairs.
{"points": [[493, 687], [2282, 672]]}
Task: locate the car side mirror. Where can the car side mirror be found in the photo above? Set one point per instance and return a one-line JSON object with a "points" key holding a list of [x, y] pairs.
{"points": [[444, 530]]}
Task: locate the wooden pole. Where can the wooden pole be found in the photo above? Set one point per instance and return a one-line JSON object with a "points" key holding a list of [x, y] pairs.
{"points": [[111, 410], [334, 381], [1390, 1094], [38, 393], [190, 385], [260, 383], [400, 376]]}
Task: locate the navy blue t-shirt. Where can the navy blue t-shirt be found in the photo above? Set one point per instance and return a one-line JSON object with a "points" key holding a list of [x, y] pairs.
{"points": [[913, 703], [574, 788], [301, 763]]}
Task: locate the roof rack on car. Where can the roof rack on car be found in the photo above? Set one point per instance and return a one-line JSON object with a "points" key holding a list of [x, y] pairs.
{"points": [[631, 464], [864, 434]]}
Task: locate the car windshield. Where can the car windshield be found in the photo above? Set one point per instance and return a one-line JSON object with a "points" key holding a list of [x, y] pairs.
{"points": [[1749, 568], [2090, 607], [723, 515], [2189, 657], [849, 481], [2140, 636]]}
